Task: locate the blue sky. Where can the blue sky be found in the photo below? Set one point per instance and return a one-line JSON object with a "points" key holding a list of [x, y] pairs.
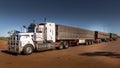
{"points": [[101, 15]]}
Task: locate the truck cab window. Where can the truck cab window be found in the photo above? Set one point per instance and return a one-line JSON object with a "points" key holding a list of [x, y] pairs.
{"points": [[31, 29]]}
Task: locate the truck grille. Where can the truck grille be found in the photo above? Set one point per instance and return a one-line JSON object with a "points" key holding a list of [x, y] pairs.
{"points": [[13, 40], [13, 43]]}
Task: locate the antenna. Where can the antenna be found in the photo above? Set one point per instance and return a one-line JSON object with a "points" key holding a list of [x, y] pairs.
{"points": [[45, 19], [25, 28], [21, 29]]}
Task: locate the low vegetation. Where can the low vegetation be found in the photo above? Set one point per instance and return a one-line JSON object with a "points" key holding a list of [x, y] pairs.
{"points": [[3, 38]]}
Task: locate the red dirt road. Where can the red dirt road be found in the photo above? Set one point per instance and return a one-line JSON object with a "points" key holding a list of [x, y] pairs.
{"points": [[3, 45], [103, 55]]}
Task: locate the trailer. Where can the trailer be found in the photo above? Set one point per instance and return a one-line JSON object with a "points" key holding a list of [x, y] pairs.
{"points": [[101, 36], [74, 36], [113, 36]]}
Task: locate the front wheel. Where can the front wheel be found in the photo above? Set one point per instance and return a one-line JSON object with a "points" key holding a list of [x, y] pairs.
{"points": [[27, 50]]}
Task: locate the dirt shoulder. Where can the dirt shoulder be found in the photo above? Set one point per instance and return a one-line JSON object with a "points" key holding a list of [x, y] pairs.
{"points": [[3, 45], [103, 55]]}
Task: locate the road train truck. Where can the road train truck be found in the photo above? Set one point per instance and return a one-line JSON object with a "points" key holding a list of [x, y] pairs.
{"points": [[113, 36], [47, 35], [102, 36]]}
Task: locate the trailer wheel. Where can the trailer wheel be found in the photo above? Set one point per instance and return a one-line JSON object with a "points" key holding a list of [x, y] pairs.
{"points": [[86, 43], [66, 45], [91, 42], [27, 50], [77, 43]]}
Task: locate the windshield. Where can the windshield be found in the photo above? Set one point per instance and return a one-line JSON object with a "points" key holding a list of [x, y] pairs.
{"points": [[31, 29]]}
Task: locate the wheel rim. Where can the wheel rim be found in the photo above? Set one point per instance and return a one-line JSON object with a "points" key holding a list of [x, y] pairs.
{"points": [[28, 50], [90, 42], [66, 46], [86, 43], [61, 47]]}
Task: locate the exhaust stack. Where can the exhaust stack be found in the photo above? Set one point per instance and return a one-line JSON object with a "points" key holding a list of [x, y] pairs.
{"points": [[25, 29]]}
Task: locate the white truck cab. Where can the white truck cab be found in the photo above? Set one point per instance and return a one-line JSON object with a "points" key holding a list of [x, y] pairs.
{"points": [[38, 37], [18, 41]]}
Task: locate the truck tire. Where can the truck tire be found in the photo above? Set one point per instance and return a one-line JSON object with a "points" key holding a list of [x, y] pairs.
{"points": [[86, 43], [27, 50], [66, 45], [77, 43], [61, 46], [92, 42]]}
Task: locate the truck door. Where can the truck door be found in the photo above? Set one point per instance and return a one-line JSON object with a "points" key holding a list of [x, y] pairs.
{"points": [[40, 37]]}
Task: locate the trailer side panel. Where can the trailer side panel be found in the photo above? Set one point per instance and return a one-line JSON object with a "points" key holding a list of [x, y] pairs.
{"points": [[67, 32], [100, 35]]}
